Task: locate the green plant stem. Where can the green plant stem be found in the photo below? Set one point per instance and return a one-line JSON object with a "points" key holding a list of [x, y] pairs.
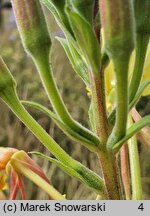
{"points": [[42, 63], [91, 179], [12, 100], [124, 159], [141, 48], [119, 130], [109, 170], [99, 106], [67, 130], [135, 168]]}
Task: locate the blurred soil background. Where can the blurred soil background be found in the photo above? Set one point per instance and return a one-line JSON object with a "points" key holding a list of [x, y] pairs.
{"points": [[14, 134]]}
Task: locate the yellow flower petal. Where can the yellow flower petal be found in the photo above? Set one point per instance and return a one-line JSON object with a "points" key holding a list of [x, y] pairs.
{"points": [[3, 183], [110, 78]]}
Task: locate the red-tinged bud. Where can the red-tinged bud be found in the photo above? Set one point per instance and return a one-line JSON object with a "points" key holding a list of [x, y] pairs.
{"points": [[118, 25], [32, 26]]}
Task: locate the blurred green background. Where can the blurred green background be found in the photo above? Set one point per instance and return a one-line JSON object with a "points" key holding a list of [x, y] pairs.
{"points": [[14, 134]]}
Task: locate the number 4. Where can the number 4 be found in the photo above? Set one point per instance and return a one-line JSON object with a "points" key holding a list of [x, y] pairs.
{"points": [[141, 207]]}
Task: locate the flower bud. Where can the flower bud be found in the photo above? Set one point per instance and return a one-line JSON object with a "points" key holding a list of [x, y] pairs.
{"points": [[142, 12], [6, 79], [117, 23], [32, 26]]}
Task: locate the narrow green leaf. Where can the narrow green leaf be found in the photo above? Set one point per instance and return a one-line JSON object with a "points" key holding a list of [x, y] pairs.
{"points": [[58, 163], [86, 39], [57, 8], [91, 117], [139, 93], [67, 130], [134, 166], [84, 8], [136, 127], [81, 173], [75, 60]]}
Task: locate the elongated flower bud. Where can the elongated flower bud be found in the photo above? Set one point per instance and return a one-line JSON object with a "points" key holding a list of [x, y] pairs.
{"points": [[32, 25], [142, 13], [117, 23], [6, 79]]}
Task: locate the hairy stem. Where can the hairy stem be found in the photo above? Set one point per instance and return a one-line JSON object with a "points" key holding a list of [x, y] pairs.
{"points": [[99, 106], [107, 160], [109, 170]]}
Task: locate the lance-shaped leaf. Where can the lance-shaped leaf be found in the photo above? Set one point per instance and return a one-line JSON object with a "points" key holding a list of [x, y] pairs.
{"points": [[89, 178], [84, 7], [65, 128], [58, 10], [134, 166], [86, 39], [136, 127], [144, 134], [6, 79], [139, 93], [54, 7], [91, 117], [75, 59]]}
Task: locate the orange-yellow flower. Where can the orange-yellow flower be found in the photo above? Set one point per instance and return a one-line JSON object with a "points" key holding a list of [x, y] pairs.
{"points": [[17, 164]]}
